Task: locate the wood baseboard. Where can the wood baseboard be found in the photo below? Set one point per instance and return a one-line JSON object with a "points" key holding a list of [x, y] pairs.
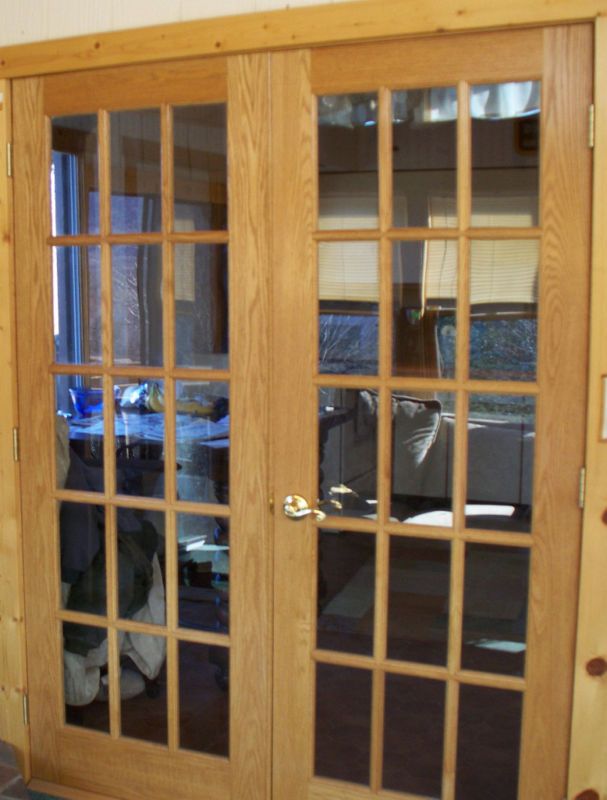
{"points": [[65, 792]]}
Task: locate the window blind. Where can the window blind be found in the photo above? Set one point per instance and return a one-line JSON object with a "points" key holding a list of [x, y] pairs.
{"points": [[501, 271]]}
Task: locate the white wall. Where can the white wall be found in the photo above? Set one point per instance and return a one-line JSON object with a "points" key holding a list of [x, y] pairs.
{"points": [[34, 20]]}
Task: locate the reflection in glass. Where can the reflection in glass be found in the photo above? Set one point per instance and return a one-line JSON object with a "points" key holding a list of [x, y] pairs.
{"points": [[135, 166], [348, 275], [137, 304], [79, 432], [143, 688], [141, 565], [495, 609], [85, 677], [203, 567], [346, 591], [343, 723], [424, 127], [77, 304], [501, 437], [204, 698], [139, 436], [503, 306], [347, 162], [422, 458], [347, 452], [505, 154], [201, 305], [413, 735], [203, 445], [83, 569], [424, 276], [488, 744], [200, 167], [74, 176], [418, 600]]}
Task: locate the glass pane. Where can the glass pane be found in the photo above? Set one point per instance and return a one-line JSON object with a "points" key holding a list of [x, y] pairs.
{"points": [[346, 591], [343, 723], [85, 677], [201, 305], [501, 437], [418, 600], [79, 432], [204, 698], [74, 176], [424, 276], [135, 165], [139, 436], [413, 735], [347, 452], [203, 569], [141, 565], [137, 304], [504, 279], [489, 735], [203, 445], [143, 689], [422, 458], [83, 570], [200, 168], [495, 609], [349, 307], [505, 154], [77, 304], [424, 128], [347, 162]]}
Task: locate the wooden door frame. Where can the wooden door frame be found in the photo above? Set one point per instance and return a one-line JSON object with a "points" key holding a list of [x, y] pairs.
{"points": [[342, 22]]}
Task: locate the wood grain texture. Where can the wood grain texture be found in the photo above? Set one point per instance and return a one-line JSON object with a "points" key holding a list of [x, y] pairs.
{"points": [[98, 764], [13, 678], [435, 61], [37, 440], [588, 759], [560, 424], [290, 28], [140, 87], [251, 520], [294, 431], [66, 792]]}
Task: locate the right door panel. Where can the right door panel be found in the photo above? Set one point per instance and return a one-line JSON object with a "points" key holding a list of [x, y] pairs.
{"points": [[431, 234]]}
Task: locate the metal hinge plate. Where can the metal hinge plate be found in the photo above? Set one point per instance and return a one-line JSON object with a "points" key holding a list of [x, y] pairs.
{"points": [[15, 444], [26, 709], [582, 488], [9, 159], [591, 125]]}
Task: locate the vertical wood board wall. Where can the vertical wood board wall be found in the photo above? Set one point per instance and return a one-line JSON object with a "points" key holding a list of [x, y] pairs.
{"points": [[12, 640]]}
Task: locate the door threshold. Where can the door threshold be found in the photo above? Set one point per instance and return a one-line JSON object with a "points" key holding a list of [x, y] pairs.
{"points": [[65, 792]]}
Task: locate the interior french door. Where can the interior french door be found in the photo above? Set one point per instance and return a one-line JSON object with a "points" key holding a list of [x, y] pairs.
{"points": [[144, 400], [354, 274], [431, 239]]}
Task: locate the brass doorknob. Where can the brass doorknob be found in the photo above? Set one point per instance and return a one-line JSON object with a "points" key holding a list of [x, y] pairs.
{"points": [[296, 507]]}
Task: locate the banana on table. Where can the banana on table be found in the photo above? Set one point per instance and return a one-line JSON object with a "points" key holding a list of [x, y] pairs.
{"points": [[155, 402]]}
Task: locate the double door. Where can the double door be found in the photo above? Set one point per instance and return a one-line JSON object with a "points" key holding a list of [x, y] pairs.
{"points": [[302, 350]]}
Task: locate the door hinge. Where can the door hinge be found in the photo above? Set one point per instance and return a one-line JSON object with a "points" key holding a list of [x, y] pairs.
{"points": [[9, 159], [26, 709], [591, 125], [15, 444], [581, 500]]}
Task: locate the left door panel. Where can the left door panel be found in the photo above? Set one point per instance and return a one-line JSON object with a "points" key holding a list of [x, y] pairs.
{"points": [[142, 632]]}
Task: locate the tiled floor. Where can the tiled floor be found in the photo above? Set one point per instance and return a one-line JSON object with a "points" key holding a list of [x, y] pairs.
{"points": [[11, 783]]}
